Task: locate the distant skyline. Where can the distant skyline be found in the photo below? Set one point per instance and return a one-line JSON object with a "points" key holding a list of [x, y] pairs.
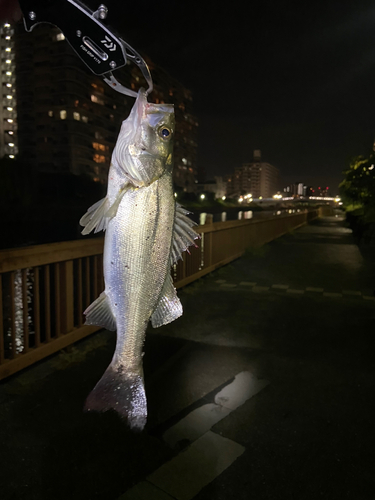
{"points": [[295, 80]]}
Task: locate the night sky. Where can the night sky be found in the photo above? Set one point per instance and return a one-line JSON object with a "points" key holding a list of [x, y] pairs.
{"points": [[294, 79]]}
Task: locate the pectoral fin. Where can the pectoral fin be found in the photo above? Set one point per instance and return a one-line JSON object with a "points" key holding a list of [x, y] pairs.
{"points": [[99, 214], [99, 313], [169, 307], [183, 234]]}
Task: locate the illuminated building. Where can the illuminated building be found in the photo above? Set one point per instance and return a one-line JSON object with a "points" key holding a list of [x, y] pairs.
{"points": [[69, 119], [8, 110], [257, 177], [217, 186]]}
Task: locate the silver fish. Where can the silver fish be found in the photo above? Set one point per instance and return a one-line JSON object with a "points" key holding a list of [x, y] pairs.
{"points": [[146, 233]]}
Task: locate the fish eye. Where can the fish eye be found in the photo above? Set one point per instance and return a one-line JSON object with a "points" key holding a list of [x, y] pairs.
{"points": [[165, 133]]}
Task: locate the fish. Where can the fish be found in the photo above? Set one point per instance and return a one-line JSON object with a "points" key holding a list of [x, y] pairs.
{"points": [[146, 232]]}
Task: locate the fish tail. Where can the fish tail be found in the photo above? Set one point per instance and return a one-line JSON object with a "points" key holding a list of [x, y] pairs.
{"points": [[122, 392]]}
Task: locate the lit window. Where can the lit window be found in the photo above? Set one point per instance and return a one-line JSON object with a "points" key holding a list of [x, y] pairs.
{"points": [[7, 37], [8, 73], [60, 36], [50, 113], [8, 61], [9, 96], [96, 99], [98, 158], [98, 147], [76, 116], [63, 114], [11, 156], [85, 119], [8, 49], [184, 161], [6, 25], [11, 144], [9, 109], [10, 132], [9, 84], [10, 120], [98, 88]]}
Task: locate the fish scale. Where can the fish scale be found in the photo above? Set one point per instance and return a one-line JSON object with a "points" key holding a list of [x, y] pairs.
{"points": [[146, 232]]}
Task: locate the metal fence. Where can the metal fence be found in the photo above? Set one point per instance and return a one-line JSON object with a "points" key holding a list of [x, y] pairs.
{"points": [[44, 289]]}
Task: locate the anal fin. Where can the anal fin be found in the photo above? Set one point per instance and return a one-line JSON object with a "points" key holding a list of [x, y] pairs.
{"points": [[99, 313], [169, 306]]}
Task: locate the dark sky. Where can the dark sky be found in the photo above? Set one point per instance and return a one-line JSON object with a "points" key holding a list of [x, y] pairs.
{"points": [[294, 79]]}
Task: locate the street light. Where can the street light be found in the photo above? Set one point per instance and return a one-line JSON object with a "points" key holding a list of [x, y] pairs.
{"points": [[202, 196]]}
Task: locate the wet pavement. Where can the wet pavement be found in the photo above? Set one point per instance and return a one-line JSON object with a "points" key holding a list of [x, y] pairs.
{"points": [[263, 389]]}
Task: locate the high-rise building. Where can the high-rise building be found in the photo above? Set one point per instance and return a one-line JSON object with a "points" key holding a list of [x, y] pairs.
{"points": [[257, 177], [8, 109], [67, 118]]}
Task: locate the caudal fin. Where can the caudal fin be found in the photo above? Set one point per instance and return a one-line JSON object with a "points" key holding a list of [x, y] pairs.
{"points": [[123, 392]]}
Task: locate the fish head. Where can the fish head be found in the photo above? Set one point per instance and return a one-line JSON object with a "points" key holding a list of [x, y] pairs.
{"points": [[144, 149]]}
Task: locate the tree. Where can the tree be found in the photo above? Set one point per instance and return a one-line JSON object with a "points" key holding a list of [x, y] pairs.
{"points": [[358, 187]]}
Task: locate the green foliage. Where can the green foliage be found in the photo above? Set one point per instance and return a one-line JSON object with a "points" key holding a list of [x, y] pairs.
{"points": [[357, 192], [358, 187]]}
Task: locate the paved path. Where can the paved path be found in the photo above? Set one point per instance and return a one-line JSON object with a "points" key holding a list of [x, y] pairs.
{"points": [[263, 389]]}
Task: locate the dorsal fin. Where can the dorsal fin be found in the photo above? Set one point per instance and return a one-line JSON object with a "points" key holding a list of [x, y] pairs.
{"points": [[183, 233]]}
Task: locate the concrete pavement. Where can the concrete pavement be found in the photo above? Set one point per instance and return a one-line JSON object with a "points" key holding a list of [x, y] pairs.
{"points": [[263, 389]]}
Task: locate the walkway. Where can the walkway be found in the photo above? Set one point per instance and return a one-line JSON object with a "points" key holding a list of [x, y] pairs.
{"points": [[263, 389]]}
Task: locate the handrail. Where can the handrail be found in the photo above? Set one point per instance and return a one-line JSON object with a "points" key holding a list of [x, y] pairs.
{"points": [[44, 289]]}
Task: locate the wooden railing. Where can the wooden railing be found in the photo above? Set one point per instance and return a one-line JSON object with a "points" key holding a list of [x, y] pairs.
{"points": [[44, 289]]}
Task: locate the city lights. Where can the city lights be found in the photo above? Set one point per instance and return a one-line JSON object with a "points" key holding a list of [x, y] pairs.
{"points": [[277, 196], [202, 197], [223, 198], [240, 200], [247, 196]]}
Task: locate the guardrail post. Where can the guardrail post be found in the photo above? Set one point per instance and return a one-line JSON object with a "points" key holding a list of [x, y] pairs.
{"points": [[66, 296]]}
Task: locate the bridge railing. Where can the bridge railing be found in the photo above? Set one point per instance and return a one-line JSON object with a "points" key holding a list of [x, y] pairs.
{"points": [[44, 289]]}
